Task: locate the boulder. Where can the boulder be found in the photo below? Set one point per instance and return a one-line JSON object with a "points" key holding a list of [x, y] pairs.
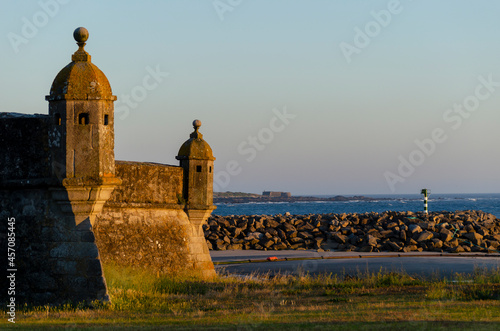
{"points": [[220, 245], [392, 225], [270, 223], [281, 234], [437, 243], [297, 246], [456, 249], [287, 227], [410, 248], [272, 231], [414, 228], [366, 249], [266, 243], [295, 240], [305, 235], [306, 227], [254, 235], [212, 236], [426, 235], [259, 247], [346, 231], [394, 247], [446, 235], [386, 233], [375, 233], [340, 238], [371, 240], [280, 246], [473, 237], [482, 231]]}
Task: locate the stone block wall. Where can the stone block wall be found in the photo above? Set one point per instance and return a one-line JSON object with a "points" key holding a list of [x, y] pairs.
{"points": [[147, 183], [156, 239], [25, 147]]}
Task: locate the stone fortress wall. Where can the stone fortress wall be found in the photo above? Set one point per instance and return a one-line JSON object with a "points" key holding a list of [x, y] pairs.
{"points": [[74, 207]]}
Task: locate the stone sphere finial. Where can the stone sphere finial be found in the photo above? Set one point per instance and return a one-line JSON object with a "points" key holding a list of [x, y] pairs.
{"points": [[196, 124], [81, 35]]}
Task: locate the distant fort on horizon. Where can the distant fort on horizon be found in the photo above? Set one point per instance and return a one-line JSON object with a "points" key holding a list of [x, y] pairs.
{"points": [[277, 194]]}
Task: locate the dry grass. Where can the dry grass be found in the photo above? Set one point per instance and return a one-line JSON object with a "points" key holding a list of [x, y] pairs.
{"points": [[369, 301]]}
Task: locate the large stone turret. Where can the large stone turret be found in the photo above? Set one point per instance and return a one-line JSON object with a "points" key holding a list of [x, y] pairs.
{"points": [[58, 170], [82, 135]]}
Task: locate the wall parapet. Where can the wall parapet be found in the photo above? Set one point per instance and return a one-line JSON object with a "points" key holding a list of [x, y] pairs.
{"points": [[149, 183], [24, 142]]}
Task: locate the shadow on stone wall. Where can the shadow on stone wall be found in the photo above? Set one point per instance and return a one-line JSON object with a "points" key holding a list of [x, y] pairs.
{"points": [[56, 261]]}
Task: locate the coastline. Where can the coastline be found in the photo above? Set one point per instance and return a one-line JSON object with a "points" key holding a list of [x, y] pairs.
{"points": [[486, 202], [260, 198]]}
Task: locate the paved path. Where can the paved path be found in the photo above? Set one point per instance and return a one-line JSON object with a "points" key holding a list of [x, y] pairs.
{"points": [[426, 264]]}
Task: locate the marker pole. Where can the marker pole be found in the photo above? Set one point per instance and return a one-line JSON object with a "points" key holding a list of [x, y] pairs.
{"points": [[425, 192]]}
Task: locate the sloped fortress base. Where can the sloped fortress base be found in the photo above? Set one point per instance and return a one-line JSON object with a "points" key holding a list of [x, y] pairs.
{"points": [[144, 226], [156, 239]]}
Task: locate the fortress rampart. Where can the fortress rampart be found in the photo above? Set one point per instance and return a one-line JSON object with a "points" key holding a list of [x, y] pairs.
{"points": [[75, 207]]}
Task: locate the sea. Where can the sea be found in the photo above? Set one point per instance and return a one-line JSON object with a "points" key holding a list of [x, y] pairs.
{"points": [[489, 203]]}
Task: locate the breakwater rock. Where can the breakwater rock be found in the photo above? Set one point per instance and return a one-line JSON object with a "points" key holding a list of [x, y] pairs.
{"points": [[455, 232]]}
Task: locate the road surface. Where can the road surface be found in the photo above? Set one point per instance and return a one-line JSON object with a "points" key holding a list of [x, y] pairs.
{"points": [[425, 264]]}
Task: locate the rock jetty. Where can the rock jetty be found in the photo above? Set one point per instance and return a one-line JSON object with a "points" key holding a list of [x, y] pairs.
{"points": [[454, 232]]}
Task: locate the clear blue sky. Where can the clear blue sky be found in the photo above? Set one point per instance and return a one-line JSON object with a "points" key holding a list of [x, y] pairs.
{"points": [[359, 100]]}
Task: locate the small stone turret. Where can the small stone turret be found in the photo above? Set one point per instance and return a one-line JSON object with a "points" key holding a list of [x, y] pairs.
{"points": [[197, 160]]}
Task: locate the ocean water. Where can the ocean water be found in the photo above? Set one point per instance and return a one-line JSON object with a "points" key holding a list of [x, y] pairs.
{"points": [[489, 203]]}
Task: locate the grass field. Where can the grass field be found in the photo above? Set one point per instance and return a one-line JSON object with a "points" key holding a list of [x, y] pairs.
{"points": [[380, 301]]}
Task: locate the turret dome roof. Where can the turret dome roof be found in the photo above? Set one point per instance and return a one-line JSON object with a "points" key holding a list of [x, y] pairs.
{"points": [[196, 147], [81, 79]]}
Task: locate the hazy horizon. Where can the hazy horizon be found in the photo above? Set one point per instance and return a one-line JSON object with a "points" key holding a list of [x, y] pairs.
{"points": [[309, 97], [378, 194]]}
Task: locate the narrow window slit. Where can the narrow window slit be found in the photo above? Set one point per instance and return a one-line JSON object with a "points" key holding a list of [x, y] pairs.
{"points": [[83, 119]]}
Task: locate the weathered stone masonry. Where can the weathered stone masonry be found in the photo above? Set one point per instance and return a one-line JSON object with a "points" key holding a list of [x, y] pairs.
{"points": [[144, 224], [76, 207]]}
